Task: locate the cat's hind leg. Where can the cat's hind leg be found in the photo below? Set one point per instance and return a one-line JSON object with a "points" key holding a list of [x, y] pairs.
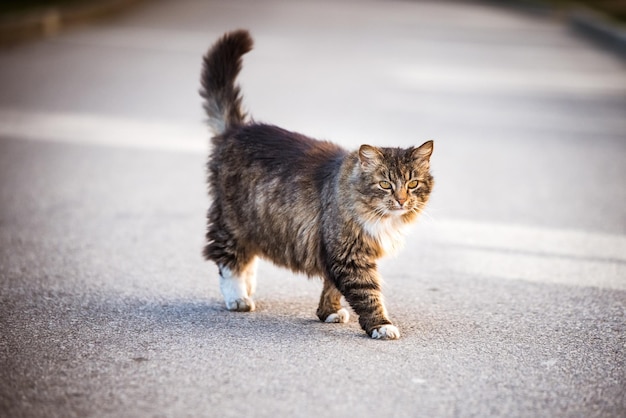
{"points": [[329, 309], [237, 286], [237, 266]]}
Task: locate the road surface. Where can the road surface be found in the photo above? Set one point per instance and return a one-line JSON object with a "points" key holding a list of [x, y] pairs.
{"points": [[510, 293]]}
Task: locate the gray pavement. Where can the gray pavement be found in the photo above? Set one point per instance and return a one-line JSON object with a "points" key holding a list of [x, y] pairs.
{"points": [[510, 294]]}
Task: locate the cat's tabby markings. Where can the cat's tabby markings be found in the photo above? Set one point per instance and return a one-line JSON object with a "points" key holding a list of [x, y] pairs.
{"points": [[304, 204]]}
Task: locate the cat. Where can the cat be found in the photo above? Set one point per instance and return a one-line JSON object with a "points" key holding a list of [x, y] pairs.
{"points": [[304, 204]]}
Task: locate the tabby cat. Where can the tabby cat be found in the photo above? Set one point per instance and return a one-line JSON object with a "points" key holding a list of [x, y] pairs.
{"points": [[304, 204]]}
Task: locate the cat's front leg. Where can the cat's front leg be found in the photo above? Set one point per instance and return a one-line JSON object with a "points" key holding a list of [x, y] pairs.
{"points": [[361, 288]]}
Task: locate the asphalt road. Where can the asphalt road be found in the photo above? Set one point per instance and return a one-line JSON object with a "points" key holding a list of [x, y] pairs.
{"points": [[510, 294]]}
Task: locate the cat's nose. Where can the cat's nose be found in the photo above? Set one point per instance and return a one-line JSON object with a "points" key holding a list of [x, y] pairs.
{"points": [[401, 201]]}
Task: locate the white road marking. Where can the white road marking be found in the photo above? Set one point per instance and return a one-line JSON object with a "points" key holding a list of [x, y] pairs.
{"points": [[489, 80], [103, 130], [520, 252]]}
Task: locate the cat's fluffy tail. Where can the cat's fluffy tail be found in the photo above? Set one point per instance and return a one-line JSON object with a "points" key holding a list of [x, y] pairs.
{"points": [[222, 64]]}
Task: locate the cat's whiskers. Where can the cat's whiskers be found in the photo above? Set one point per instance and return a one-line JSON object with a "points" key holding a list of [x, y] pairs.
{"points": [[428, 216], [420, 209], [377, 216]]}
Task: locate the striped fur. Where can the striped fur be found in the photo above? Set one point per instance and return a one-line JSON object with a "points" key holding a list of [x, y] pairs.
{"points": [[304, 204]]}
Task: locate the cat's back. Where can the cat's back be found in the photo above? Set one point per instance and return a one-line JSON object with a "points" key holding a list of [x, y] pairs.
{"points": [[277, 151], [272, 186]]}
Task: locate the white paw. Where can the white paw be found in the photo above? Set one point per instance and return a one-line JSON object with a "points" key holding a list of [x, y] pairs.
{"points": [[386, 332], [341, 316], [240, 305], [235, 289]]}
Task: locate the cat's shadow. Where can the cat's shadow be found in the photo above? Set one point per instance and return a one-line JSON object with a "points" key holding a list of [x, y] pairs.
{"points": [[207, 318], [294, 318]]}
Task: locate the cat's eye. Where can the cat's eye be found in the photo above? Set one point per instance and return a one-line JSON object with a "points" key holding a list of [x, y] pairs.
{"points": [[385, 185], [412, 184]]}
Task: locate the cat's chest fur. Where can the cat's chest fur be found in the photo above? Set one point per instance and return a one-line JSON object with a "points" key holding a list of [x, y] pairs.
{"points": [[389, 233]]}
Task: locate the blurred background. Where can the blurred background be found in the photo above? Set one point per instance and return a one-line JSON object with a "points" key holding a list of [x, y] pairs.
{"points": [[510, 292], [517, 101]]}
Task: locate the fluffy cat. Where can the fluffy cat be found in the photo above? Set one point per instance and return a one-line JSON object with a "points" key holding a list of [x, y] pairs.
{"points": [[304, 204]]}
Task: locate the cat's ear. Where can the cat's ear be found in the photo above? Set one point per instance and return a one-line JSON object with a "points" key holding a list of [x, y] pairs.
{"points": [[422, 153], [370, 156]]}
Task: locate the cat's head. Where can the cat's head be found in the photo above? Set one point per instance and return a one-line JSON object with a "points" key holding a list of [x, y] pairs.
{"points": [[394, 182]]}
